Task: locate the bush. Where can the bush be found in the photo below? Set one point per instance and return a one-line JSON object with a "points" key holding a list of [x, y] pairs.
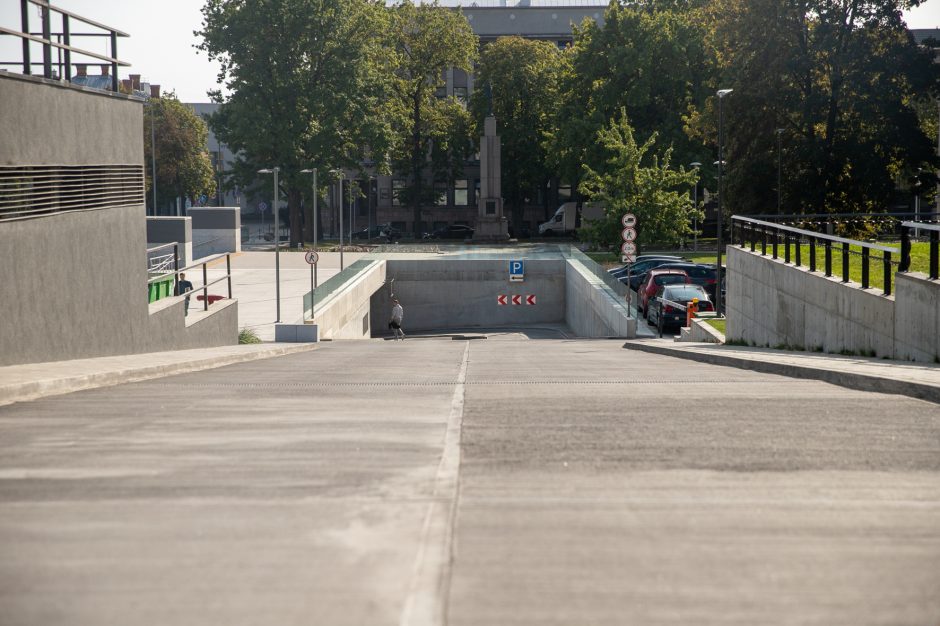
{"points": [[247, 335]]}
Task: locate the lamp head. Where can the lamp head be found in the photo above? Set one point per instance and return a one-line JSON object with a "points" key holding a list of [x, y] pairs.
{"points": [[695, 164], [724, 92], [312, 171], [266, 171]]}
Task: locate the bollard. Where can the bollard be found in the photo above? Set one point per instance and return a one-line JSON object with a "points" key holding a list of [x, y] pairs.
{"points": [[690, 311]]}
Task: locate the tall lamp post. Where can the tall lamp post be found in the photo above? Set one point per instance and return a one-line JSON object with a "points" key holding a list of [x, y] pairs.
{"points": [[314, 172], [721, 164], [779, 168], [695, 165], [277, 242], [341, 174]]}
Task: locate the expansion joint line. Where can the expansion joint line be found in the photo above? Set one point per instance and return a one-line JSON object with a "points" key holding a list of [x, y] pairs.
{"points": [[426, 604]]}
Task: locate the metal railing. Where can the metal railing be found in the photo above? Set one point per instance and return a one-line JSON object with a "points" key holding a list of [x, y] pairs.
{"points": [[934, 246], [206, 283], [61, 42], [746, 230]]}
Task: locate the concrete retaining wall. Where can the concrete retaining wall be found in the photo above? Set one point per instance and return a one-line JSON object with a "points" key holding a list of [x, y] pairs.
{"points": [[917, 317], [592, 309], [461, 293], [772, 303], [345, 313], [161, 230], [215, 230]]}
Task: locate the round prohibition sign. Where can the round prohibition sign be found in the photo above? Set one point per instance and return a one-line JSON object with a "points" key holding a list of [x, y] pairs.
{"points": [[628, 234], [312, 257], [628, 220], [628, 247]]}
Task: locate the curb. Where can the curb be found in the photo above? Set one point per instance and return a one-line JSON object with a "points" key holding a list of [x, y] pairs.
{"points": [[860, 382], [35, 389]]}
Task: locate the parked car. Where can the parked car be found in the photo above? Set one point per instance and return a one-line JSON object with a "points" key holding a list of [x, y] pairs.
{"points": [[454, 231], [639, 269], [617, 272], [700, 274], [380, 231], [656, 279], [663, 313]]}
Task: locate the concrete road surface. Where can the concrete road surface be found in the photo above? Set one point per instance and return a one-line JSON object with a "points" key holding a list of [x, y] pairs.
{"points": [[437, 481]]}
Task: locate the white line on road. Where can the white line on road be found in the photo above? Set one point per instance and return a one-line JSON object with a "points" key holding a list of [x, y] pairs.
{"points": [[426, 604]]}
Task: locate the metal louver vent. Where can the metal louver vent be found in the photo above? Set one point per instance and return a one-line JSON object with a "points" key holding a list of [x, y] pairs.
{"points": [[35, 190]]}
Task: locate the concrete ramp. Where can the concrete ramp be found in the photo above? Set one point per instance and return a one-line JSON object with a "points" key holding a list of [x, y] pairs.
{"points": [[471, 289]]}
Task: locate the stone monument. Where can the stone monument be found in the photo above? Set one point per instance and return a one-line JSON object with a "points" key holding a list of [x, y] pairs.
{"points": [[491, 224]]}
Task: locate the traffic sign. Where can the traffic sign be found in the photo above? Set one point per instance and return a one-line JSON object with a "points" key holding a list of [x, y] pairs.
{"points": [[501, 300], [312, 257], [517, 299], [628, 234], [262, 206], [516, 271], [530, 299], [627, 258], [628, 247], [628, 220]]}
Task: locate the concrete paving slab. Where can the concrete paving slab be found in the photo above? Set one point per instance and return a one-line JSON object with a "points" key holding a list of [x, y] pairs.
{"points": [[918, 380]]}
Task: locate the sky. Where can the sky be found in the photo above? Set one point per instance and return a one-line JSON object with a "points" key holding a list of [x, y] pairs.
{"points": [[160, 46]]}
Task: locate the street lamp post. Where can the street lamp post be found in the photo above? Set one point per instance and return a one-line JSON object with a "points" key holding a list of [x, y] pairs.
{"points": [[341, 174], [696, 165], [314, 172], [779, 168], [277, 242], [153, 154], [721, 163]]}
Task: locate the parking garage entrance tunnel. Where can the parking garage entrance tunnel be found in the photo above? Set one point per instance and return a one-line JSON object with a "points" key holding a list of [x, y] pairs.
{"points": [[462, 288]]}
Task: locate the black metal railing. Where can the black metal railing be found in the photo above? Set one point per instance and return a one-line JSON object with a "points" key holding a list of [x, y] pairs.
{"points": [[767, 235], [933, 230], [61, 42], [206, 283]]}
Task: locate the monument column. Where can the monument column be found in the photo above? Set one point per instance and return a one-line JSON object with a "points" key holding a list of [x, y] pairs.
{"points": [[491, 224]]}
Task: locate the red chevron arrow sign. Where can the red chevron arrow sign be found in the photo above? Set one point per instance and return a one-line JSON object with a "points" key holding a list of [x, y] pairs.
{"points": [[501, 300], [517, 299], [530, 299]]}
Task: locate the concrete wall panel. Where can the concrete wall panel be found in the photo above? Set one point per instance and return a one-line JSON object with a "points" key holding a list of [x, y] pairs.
{"points": [[917, 317]]}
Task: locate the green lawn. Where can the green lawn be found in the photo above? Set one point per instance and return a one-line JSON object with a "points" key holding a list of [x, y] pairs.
{"points": [[717, 324]]}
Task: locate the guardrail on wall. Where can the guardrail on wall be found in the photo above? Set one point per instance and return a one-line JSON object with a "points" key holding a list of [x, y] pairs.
{"points": [[748, 231], [61, 42], [934, 231], [205, 276]]}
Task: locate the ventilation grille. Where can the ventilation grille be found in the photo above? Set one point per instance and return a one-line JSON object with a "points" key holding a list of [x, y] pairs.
{"points": [[36, 190]]}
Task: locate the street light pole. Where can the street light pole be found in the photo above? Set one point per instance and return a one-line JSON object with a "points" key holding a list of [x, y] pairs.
{"points": [[721, 163], [277, 242], [314, 172], [153, 154], [696, 165], [779, 168], [340, 218]]}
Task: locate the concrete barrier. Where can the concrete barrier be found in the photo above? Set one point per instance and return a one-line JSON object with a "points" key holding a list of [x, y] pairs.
{"points": [[161, 230], [215, 230], [345, 312], [592, 308], [917, 318]]}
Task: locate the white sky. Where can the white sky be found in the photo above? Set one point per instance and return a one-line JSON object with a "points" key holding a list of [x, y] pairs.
{"points": [[160, 46]]}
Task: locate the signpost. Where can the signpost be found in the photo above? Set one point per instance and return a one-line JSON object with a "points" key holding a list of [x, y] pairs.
{"points": [[312, 259], [628, 249], [516, 271]]}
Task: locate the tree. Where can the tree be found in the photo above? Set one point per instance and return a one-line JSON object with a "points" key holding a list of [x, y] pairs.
{"points": [[841, 79], [523, 76], [634, 179], [184, 169], [308, 80], [647, 58], [427, 40]]}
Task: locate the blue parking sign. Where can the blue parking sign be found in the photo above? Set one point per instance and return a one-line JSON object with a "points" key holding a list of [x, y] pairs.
{"points": [[516, 271]]}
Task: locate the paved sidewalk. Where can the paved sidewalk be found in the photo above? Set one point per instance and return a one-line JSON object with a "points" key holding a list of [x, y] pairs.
{"points": [[19, 383], [918, 380]]}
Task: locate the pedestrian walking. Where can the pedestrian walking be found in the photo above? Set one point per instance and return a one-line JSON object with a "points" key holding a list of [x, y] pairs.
{"points": [[183, 286], [395, 323]]}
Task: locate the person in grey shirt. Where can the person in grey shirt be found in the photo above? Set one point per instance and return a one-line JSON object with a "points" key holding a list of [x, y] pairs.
{"points": [[397, 316]]}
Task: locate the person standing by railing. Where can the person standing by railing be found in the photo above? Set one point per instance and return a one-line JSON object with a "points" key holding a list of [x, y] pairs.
{"points": [[183, 287]]}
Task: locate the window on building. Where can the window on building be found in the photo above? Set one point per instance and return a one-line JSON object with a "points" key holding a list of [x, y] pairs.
{"points": [[398, 185], [460, 193], [440, 194], [476, 192], [460, 94]]}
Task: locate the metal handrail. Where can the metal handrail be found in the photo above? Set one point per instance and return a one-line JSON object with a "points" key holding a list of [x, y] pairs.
{"points": [[921, 226], [934, 245], [742, 225], [206, 283], [172, 244]]}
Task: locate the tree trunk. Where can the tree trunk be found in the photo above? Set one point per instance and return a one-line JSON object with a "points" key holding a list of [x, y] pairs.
{"points": [[417, 162]]}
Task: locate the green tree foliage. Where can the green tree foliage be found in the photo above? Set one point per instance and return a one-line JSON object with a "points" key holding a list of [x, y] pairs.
{"points": [[649, 58], [184, 169], [308, 80], [524, 77], [841, 79], [426, 41], [634, 179]]}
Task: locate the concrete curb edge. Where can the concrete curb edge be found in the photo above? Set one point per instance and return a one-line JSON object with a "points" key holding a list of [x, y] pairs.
{"points": [[861, 382], [33, 390]]}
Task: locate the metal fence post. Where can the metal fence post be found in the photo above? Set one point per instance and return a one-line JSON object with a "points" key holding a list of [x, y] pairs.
{"points": [[887, 270], [205, 288], [828, 246], [228, 272], [866, 254], [845, 262], [812, 254], [934, 255], [799, 251]]}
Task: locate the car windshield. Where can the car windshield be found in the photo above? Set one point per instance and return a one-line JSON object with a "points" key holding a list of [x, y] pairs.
{"points": [[684, 293]]}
